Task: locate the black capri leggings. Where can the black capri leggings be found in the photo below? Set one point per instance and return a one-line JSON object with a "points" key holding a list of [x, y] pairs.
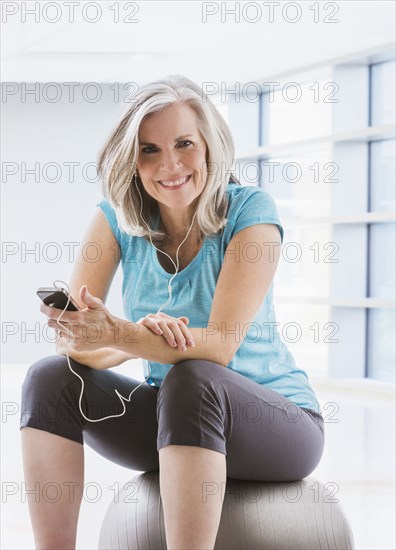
{"points": [[265, 436]]}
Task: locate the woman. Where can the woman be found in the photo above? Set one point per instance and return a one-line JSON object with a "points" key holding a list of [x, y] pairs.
{"points": [[223, 395]]}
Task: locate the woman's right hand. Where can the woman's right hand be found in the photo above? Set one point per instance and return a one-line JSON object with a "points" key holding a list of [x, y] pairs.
{"points": [[173, 329], [100, 359]]}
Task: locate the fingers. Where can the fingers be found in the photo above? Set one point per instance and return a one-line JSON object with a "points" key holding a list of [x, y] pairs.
{"points": [[60, 330], [55, 313], [186, 333], [173, 330], [159, 326], [150, 323], [184, 319], [176, 333], [168, 333]]}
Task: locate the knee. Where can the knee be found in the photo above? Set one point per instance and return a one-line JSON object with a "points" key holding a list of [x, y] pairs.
{"points": [[189, 385], [47, 378], [49, 397], [190, 373], [189, 407], [46, 371]]}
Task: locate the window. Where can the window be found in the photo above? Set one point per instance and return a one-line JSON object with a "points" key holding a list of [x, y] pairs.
{"points": [[382, 176], [296, 111], [381, 321], [301, 183], [383, 80], [301, 186], [381, 344], [330, 167]]}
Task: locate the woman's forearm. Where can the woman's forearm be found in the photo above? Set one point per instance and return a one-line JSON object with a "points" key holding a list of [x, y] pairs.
{"points": [[102, 358], [139, 341]]}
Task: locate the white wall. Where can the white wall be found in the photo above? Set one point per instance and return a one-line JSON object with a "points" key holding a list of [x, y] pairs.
{"points": [[35, 213]]}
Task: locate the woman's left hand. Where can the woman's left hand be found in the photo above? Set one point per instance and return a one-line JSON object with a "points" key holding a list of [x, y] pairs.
{"points": [[86, 330]]}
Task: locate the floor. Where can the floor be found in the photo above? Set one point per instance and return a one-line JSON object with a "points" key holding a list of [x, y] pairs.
{"points": [[358, 460]]}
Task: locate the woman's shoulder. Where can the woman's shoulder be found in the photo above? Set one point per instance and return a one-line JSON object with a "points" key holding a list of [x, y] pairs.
{"points": [[249, 205], [110, 215], [240, 196]]}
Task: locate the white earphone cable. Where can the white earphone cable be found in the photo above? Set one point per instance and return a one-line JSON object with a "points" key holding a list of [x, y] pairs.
{"points": [[121, 397]]}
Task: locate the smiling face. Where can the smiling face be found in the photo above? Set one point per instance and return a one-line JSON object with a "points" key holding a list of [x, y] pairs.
{"points": [[172, 163]]}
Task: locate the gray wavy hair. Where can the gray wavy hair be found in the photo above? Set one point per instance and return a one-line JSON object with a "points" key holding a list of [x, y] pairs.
{"points": [[118, 160]]}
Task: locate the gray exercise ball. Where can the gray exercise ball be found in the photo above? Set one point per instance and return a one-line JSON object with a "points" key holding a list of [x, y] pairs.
{"points": [[291, 515]]}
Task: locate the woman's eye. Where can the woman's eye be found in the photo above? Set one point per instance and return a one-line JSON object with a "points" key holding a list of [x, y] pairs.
{"points": [[144, 150], [149, 149]]}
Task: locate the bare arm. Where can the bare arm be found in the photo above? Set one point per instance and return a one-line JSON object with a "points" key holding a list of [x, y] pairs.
{"points": [[240, 290], [98, 276], [142, 342]]}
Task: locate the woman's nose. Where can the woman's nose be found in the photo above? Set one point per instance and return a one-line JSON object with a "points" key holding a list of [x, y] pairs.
{"points": [[170, 162]]}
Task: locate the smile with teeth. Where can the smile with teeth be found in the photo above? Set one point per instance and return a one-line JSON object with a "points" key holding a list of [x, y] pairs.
{"points": [[175, 183]]}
